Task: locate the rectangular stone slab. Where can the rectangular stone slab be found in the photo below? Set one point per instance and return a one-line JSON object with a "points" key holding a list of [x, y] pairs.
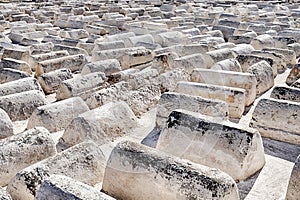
{"points": [[7, 75], [277, 119], [22, 150], [22, 85], [21, 105], [80, 84], [235, 97], [57, 116], [84, 162], [102, 124], [210, 141], [136, 172], [73, 62], [286, 93], [170, 101], [58, 187], [246, 81]]}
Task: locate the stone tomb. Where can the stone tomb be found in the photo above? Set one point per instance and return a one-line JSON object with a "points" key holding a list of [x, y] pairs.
{"points": [[220, 144]]}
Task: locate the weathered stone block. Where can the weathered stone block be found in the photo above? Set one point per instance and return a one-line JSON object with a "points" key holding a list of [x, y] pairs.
{"points": [[132, 167], [20, 151], [57, 187], [264, 76], [50, 81], [235, 97], [231, 79], [101, 46], [34, 60], [235, 150], [289, 55], [262, 41], [277, 119], [293, 188], [188, 63], [278, 59], [73, 63], [108, 67], [84, 162], [15, 64], [7, 75], [228, 65], [127, 57], [57, 116], [169, 79], [21, 105], [80, 84], [22, 85], [6, 125], [18, 54], [170, 101], [286, 93], [116, 92], [101, 124], [171, 38], [294, 75]]}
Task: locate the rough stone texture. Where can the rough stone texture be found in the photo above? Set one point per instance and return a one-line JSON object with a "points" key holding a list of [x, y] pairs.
{"points": [[293, 191], [57, 187], [263, 41], [296, 84], [35, 59], [116, 92], [189, 62], [21, 105], [80, 84], [277, 119], [294, 75], [15, 64], [169, 79], [109, 45], [170, 101], [144, 77], [108, 67], [171, 38], [289, 55], [279, 60], [73, 63], [286, 93], [228, 65], [235, 97], [84, 162], [101, 125], [220, 54], [6, 125], [23, 150], [57, 116], [143, 99], [127, 57], [22, 85], [135, 171], [4, 195], [248, 60], [231, 79], [50, 81], [235, 150], [18, 54], [7, 75], [264, 76]]}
